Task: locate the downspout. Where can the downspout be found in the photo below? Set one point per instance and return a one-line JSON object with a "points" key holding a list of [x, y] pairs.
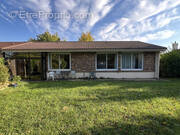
{"points": [[157, 65]]}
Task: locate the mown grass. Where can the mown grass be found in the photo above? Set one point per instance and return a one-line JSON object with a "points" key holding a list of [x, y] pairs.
{"points": [[91, 107]]}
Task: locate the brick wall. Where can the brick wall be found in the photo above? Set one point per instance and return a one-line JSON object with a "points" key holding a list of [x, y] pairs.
{"points": [[83, 62], [149, 61]]}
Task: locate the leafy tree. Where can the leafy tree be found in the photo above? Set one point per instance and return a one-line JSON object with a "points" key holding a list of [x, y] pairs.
{"points": [[86, 37], [46, 37]]}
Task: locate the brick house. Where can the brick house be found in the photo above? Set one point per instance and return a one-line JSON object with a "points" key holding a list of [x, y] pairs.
{"points": [[100, 59]]}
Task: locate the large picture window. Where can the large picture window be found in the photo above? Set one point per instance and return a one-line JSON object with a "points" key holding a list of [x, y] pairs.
{"points": [[59, 61], [106, 61], [132, 61]]}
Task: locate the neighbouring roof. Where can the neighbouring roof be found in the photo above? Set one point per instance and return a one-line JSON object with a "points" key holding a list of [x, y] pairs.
{"points": [[80, 46]]}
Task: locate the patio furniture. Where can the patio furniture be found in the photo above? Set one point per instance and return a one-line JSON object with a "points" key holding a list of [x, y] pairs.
{"points": [[51, 75]]}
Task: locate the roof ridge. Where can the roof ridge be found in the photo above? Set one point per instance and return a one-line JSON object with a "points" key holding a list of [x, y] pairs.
{"points": [[81, 41], [15, 45]]}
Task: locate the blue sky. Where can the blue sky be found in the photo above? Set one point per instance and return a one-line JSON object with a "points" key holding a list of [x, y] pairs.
{"points": [[153, 21]]}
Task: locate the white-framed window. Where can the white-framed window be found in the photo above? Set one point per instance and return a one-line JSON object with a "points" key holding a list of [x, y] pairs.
{"points": [[60, 61], [131, 61], [107, 61]]}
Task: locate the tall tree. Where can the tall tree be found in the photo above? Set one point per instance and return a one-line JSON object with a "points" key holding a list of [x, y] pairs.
{"points": [[86, 37], [46, 37]]}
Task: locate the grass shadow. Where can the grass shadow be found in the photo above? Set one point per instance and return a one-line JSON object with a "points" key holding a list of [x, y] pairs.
{"points": [[154, 125]]}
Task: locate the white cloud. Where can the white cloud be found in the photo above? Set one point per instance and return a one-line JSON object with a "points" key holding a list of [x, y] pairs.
{"points": [[110, 27], [41, 5], [3, 6], [147, 8], [162, 20], [143, 17], [154, 36], [130, 28], [100, 8], [65, 5], [4, 15], [33, 6], [97, 10]]}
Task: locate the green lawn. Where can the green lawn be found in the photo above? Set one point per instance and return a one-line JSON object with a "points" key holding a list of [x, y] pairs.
{"points": [[91, 107]]}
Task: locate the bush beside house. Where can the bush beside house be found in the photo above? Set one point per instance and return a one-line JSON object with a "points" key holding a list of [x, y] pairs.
{"points": [[4, 74], [170, 64]]}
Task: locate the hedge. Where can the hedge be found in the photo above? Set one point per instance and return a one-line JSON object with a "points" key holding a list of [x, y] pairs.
{"points": [[170, 64]]}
